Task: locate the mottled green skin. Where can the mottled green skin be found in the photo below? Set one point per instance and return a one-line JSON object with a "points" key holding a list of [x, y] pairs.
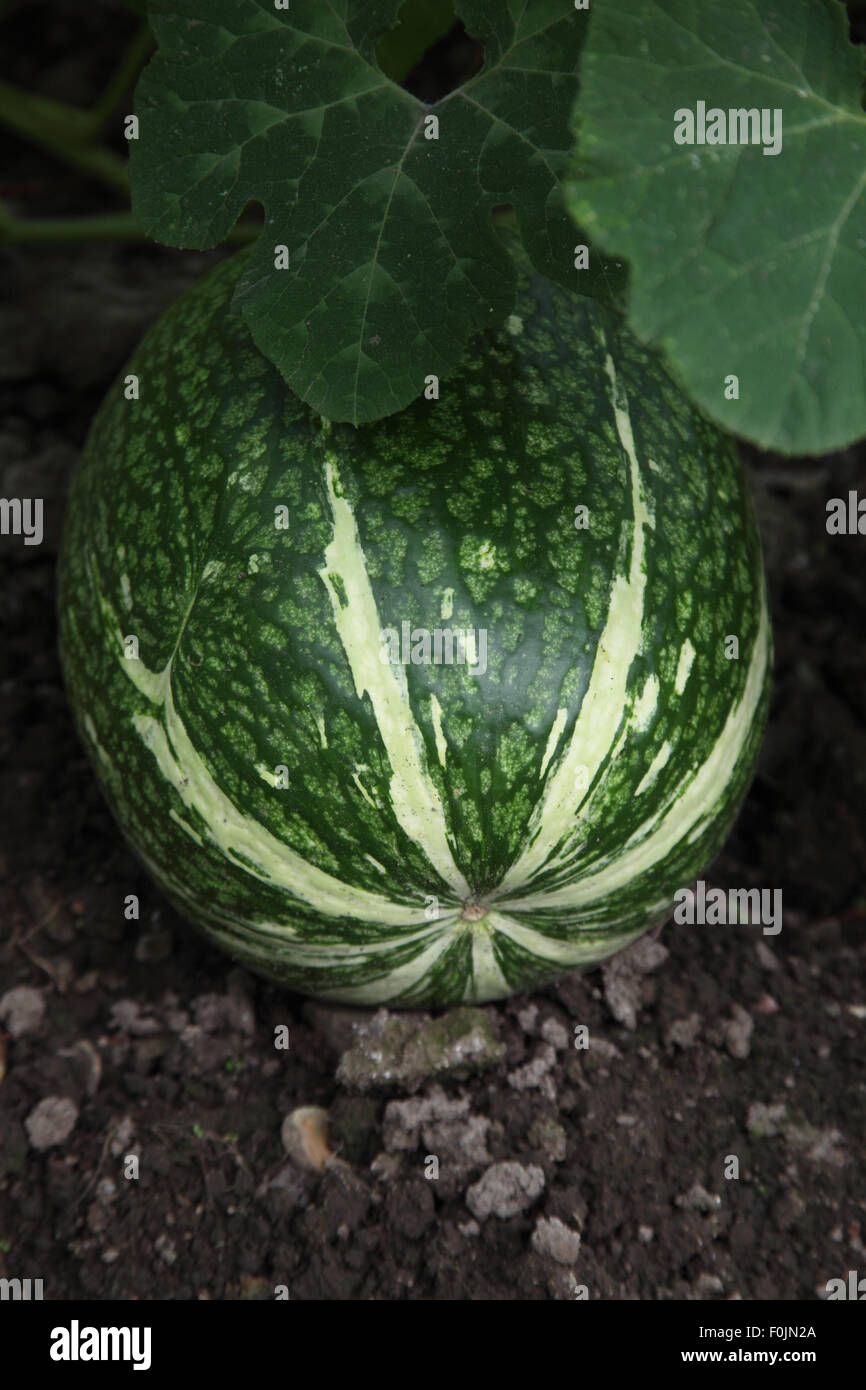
{"points": [[522, 433]]}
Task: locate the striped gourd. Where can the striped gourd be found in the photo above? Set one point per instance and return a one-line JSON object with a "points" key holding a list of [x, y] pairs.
{"points": [[257, 609]]}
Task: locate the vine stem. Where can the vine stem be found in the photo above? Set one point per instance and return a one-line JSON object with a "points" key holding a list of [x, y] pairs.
{"points": [[69, 134], [62, 130], [121, 81], [72, 136], [108, 226]]}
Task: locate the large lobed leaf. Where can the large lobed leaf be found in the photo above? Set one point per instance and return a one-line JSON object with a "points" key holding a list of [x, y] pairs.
{"points": [[741, 263], [393, 257]]}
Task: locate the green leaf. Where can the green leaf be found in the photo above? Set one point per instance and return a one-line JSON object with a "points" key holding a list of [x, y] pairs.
{"points": [[393, 257], [741, 263], [421, 23]]}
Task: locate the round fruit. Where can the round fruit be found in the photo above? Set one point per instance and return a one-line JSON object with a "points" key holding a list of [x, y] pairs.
{"points": [[431, 710]]}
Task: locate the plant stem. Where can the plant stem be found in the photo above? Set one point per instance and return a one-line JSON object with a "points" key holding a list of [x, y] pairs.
{"points": [[62, 130], [34, 231], [123, 78], [109, 226]]}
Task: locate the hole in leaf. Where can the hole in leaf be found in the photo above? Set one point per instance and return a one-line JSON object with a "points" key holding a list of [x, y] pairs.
{"points": [[429, 51]]}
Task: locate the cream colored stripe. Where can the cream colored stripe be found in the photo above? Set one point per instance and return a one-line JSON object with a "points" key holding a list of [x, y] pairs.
{"points": [[306, 953], [654, 840], [274, 861], [684, 666], [555, 818], [436, 717], [414, 797], [563, 953], [393, 980], [488, 981], [188, 828], [553, 739], [660, 760]]}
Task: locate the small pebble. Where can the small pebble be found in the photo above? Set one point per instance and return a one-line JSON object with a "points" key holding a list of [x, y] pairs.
{"points": [[552, 1237], [766, 1004], [505, 1190], [305, 1137], [553, 1032], [50, 1122], [22, 1010], [739, 1032], [699, 1199]]}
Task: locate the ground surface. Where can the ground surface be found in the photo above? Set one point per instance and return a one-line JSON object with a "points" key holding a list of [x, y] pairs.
{"points": [[151, 1044]]}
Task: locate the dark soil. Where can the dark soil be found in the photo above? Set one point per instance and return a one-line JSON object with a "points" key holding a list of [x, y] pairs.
{"points": [[735, 1045]]}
